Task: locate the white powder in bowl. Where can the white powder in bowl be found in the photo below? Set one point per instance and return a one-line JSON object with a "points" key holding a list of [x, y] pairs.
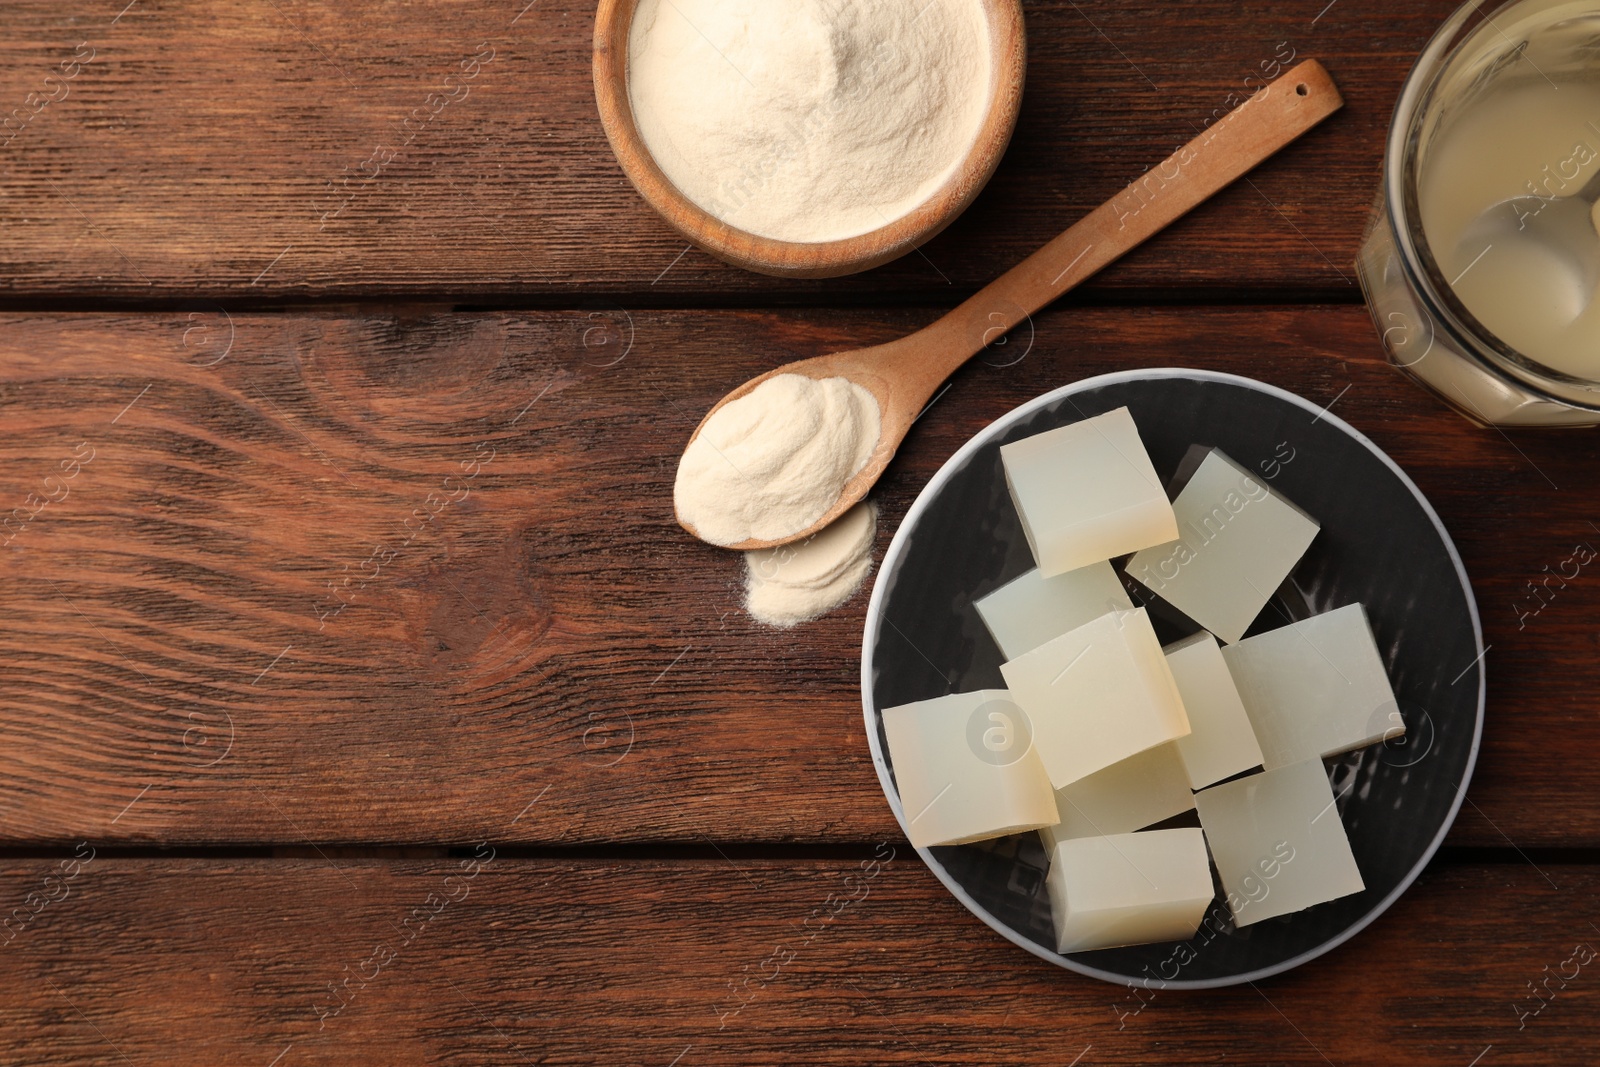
{"points": [[769, 464], [792, 584], [809, 120]]}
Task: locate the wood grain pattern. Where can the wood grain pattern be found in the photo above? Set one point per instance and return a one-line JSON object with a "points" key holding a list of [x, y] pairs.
{"points": [[531, 650], [294, 151], [385, 573], [696, 963]]}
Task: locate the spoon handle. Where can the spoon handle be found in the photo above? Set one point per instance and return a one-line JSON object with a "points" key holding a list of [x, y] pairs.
{"points": [[1272, 118]]}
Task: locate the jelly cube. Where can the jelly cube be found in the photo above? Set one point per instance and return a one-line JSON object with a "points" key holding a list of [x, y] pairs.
{"points": [[965, 769], [1139, 791], [1221, 741], [1277, 841], [1028, 611], [1315, 688], [1087, 492], [1128, 889], [1096, 695], [1237, 541]]}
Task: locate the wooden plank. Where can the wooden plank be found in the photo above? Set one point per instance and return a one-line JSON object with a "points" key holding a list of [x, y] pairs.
{"points": [[531, 649], [292, 151], [303, 962]]}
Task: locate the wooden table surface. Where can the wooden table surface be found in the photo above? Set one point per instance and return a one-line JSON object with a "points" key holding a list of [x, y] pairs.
{"points": [[362, 702]]}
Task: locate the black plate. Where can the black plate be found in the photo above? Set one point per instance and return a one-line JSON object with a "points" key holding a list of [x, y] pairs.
{"points": [[1380, 544]]}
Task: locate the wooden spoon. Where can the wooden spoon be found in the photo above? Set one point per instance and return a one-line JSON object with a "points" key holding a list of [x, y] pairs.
{"points": [[903, 374]]}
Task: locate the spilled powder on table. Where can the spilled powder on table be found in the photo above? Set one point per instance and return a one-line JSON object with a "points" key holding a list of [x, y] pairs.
{"points": [[792, 584]]}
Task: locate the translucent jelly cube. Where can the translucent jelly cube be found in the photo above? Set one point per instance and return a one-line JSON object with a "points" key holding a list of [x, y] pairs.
{"points": [[965, 769], [1237, 541], [1316, 688], [1277, 841], [1086, 493], [1221, 741], [1128, 889], [1028, 611], [1140, 791], [1096, 695]]}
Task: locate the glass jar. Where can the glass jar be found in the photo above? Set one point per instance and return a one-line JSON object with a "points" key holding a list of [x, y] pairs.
{"points": [[1426, 329]]}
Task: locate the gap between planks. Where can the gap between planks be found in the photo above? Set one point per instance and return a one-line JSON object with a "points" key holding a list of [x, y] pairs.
{"points": [[661, 852]]}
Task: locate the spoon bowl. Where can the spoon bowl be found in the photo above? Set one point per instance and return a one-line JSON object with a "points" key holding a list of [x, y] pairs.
{"points": [[1562, 226], [897, 376], [903, 374]]}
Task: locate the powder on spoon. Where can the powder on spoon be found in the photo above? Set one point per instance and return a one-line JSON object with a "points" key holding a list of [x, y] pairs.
{"points": [[809, 120], [770, 464], [792, 584]]}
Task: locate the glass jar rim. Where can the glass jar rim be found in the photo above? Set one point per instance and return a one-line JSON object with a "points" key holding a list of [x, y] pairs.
{"points": [[1416, 259]]}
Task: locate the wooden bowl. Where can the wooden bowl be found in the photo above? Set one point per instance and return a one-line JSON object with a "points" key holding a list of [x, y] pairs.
{"points": [[796, 259]]}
